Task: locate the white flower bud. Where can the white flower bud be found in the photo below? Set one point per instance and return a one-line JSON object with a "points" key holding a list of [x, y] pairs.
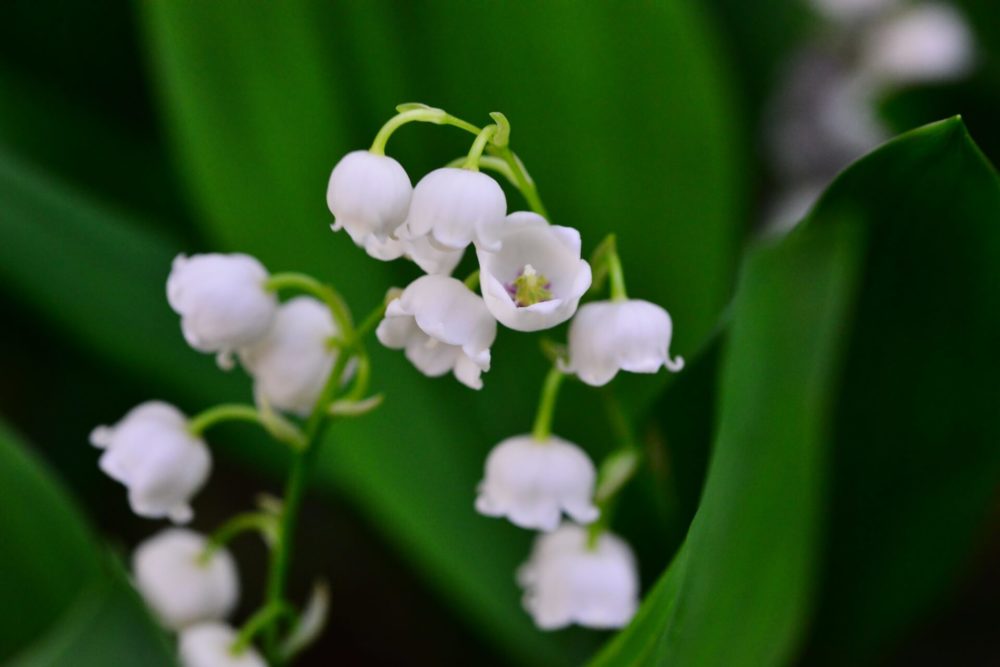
{"points": [[567, 581], [608, 336], [291, 365], [537, 278], [920, 44], [532, 482], [443, 326], [178, 585], [221, 300], [420, 250], [210, 645], [456, 207], [368, 194], [154, 455]]}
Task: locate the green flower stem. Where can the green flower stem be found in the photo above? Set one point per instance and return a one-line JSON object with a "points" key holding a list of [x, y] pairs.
{"points": [[617, 469], [260, 522], [295, 487], [472, 280], [547, 404], [264, 618], [226, 412], [493, 164], [371, 320], [478, 146], [325, 293], [423, 115], [522, 179]]}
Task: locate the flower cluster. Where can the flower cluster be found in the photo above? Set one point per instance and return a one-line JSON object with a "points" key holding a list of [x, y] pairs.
{"points": [[308, 364], [532, 277]]}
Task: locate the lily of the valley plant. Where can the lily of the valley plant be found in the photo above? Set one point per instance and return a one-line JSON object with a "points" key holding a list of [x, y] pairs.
{"points": [[307, 357]]}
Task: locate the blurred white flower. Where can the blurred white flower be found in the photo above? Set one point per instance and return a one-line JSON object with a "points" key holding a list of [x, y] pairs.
{"points": [[921, 44], [222, 302], [210, 645], [456, 207], [567, 581], [532, 482], [608, 336], [443, 326], [154, 455], [420, 250], [536, 279], [852, 10], [368, 195], [290, 366], [180, 588]]}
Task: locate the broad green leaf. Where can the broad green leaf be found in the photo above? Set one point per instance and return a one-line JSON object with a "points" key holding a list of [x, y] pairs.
{"points": [[262, 102], [62, 603], [847, 492]]}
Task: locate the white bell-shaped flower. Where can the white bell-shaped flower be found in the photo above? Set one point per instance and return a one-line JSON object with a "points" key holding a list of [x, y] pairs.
{"points": [[443, 326], [536, 279], [152, 453], [566, 580], [420, 250], [921, 44], [290, 366], [610, 336], [532, 482], [210, 645], [455, 207], [222, 301], [181, 587], [369, 195]]}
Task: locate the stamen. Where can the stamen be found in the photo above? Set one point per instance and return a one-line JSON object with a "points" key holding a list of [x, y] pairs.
{"points": [[529, 287]]}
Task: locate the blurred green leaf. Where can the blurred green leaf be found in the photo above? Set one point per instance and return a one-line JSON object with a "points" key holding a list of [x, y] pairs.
{"points": [[908, 422], [61, 602]]}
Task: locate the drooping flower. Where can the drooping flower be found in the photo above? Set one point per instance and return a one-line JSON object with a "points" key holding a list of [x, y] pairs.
{"points": [[443, 326], [291, 365], [566, 580], [210, 645], [456, 207], [179, 585], [369, 195], [532, 482], [535, 281], [921, 44], [630, 335], [154, 455], [222, 301]]}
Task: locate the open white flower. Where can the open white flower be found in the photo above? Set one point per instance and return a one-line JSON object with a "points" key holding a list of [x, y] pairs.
{"points": [[443, 326], [210, 645], [920, 44], [536, 279], [608, 336], [290, 365], [368, 195], [222, 301], [152, 453], [532, 482], [179, 586], [456, 207], [568, 581], [420, 250]]}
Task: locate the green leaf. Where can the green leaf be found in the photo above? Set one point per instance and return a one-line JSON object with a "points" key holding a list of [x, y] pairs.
{"points": [[61, 602], [886, 459]]}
